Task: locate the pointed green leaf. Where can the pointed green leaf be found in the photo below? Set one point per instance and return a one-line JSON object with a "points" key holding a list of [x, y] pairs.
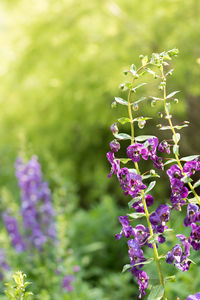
{"points": [[139, 100], [121, 101], [176, 149], [126, 267], [172, 94], [142, 138], [124, 120], [138, 86], [124, 160], [170, 161], [136, 215], [146, 262], [178, 136], [189, 158], [170, 278], [197, 183], [134, 200], [122, 136], [150, 187]]}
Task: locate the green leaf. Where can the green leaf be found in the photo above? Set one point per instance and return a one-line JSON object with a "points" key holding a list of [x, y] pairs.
{"points": [[139, 100], [186, 179], [156, 293], [178, 136], [172, 94], [134, 200], [170, 278], [189, 158], [176, 149], [169, 161], [150, 187], [197, 183], [156, 98], [136, 215], [133, 68], [138, 86], [193, 200], [121, 101], [146, 262], [142, 138], [132, 171], [180, 126], [122, 136], [142, 119], [126, 267], [124, 120], [150, 175], [124, 160]]}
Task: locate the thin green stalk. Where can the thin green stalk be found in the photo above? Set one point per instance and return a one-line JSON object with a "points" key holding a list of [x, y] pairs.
{"points": [[156, 255], [174, 133]]}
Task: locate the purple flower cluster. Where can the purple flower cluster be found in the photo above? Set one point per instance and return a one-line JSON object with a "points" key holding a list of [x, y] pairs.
{"points": [[12, 227], [179, 256], [146, 150], [179, 190], [194, 297], [158, 220], [36, 207], [3, 264]]}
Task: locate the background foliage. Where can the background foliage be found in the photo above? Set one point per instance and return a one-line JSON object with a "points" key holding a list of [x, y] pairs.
{"points": [[61, 64]]}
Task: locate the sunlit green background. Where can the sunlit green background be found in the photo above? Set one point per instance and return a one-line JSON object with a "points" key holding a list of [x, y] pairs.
{"points": [[61, 63]]}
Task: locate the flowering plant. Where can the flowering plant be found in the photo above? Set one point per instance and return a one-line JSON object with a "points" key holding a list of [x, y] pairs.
{"points": [[138, 184]]}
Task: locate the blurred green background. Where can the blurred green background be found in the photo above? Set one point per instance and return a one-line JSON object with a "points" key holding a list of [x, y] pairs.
{"points": [[61, 63]]}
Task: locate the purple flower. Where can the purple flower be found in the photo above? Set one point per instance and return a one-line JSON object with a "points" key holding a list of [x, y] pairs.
{"points": [[115, 164], [158, 220], [114, 146], [164, 147], [127, 230], [135, 253], [138, 205], [195, 236], [134, 151], [193, 214], [178, 256], [12, 227], [194, 297], [114, 128], [142, 280], [76, 269], [157, 162], [191, 167], [141, 234], [67, 283]]}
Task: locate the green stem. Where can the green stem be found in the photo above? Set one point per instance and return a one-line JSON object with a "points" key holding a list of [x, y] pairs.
{"points": [[174, 133], [156, 255]]}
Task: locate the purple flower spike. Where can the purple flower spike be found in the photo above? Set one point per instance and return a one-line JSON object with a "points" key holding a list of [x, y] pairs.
{"points": [[114, 146], [134, 151], [127, 230], [142, 280], [12, 227], [194, 297]]}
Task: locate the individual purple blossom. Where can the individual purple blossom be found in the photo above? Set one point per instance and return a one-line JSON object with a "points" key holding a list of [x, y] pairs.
{"points": [[194, 297], [127, 230], [12, 227], [158, 220], [179, 256], [164, 147], [76, 269], [141, 235], [114, 146], [114, 128], [134, 151], [67, 283], [195, 236], [193, 214], [157, 162], [142, 280], [191, 167], [115, 164]]}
